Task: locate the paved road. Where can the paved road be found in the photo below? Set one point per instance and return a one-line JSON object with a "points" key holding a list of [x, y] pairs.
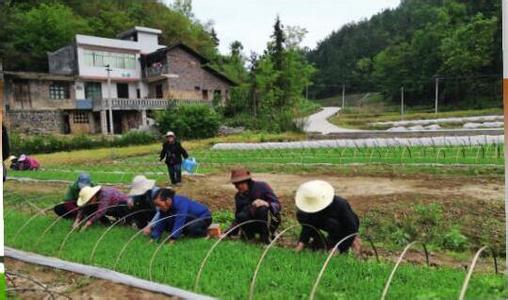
{"points": [[318, 122]]}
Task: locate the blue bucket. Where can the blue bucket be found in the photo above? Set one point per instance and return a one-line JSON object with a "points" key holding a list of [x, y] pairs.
{"points": [[190, 165]]}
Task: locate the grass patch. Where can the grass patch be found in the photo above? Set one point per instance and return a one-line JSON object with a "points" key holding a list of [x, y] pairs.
{"points": [[229, 270], [122, 165]]}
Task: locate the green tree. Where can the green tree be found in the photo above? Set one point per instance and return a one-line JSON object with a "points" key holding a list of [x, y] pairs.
{"points": [[470, 47], [34, 32]]}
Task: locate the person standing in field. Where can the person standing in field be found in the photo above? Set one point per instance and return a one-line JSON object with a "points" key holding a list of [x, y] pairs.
{"points": [[191, 218], [98, 202], [69, 208], [254, 201], [319, 207], [172, 152]]}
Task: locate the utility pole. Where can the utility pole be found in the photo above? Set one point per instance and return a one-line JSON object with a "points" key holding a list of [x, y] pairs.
{"points": [[402, 102], [111, 129], [437, 96], [505, 101], [343, 96]]}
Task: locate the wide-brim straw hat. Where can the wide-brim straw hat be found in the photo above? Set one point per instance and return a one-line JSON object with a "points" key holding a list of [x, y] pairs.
{"points": [[170, 133], [240, 175], [87, 193], [314, 196], [140, 185]]}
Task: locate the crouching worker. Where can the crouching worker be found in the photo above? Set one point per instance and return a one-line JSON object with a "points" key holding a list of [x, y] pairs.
{"points": [[141, 202], [186, 210], [255, 200], [68, 209], [319, 207], [97, 203]]}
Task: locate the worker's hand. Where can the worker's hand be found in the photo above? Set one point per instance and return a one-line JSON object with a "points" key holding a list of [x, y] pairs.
{"points": [[357, 246], [171, 242], [260, 203], [147, 230], [88, 224], [299, 247]]}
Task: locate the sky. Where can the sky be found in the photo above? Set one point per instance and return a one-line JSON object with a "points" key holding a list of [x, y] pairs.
{"points": [[251, 21]]}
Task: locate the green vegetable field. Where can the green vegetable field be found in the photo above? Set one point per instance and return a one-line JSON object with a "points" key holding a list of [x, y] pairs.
{"points": [[229, 270]]}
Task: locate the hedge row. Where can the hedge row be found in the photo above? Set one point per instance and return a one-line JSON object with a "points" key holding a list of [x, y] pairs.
{"points": [[47, 143]]}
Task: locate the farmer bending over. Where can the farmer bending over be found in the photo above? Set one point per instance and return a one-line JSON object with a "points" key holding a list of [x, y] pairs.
{"points": [[318, 206], [68, 209], [98, 202], [255, 200], [187, 211], [172, 152], [142, 196]]}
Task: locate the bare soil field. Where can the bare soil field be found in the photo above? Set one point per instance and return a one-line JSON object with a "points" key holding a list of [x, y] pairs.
{"points": [[69, 285]]}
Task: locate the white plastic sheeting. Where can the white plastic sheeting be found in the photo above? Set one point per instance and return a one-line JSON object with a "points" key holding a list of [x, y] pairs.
{"points": [[369, 143], [440, 121], [484, 125]]}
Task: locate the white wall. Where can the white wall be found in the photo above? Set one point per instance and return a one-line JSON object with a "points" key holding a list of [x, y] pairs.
{"points": [[148, 42], [79, 87], [100, 72], [114, 93]]}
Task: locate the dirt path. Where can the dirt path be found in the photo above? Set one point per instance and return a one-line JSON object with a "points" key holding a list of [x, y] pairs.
{"points": [[318, 122], [218, 193], [70, 285]]}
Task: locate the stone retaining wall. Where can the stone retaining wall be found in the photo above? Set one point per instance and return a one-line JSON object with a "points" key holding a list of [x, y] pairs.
{"points": [[35, 121]]}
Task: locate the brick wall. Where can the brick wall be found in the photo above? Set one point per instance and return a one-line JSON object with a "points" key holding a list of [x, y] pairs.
{"points": [[34, 95], [192, 78]]}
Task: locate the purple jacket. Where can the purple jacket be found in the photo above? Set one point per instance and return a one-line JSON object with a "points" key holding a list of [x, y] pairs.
{"points": [[257, 190], [107, 197]]}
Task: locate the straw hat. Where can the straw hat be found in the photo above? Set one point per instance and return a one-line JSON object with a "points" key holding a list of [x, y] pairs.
{"points": [[140, 185], [314, 196], [170, 133], [239, 175], [22, 157], [87, 193]]}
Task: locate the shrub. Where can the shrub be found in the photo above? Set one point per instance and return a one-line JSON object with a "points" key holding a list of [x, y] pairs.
{"points": [[189, 121], [454, 240], [48, 143]]}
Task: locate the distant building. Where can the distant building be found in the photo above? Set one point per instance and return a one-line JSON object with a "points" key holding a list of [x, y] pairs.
{"points": [[75, 97]]}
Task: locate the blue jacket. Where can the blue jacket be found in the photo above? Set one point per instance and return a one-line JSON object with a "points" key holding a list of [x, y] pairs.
{"points": [[186, 209]]}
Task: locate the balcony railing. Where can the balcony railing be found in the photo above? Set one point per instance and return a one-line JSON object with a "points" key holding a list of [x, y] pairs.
{"points": [[143, 104], [156, 70]]}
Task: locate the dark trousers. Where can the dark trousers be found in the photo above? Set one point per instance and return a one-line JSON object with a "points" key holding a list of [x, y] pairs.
{"points": [[335, 233], [64, 210], [175, 173], [265, 232], [142, 218]]}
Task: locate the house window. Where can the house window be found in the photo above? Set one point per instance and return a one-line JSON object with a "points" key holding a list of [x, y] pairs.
{"points": [[122, 90], [205, 94], [93, 90], [197, 88], [138, 93], [80, 118], [217, 94], [59, 91], [97, 58]]}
